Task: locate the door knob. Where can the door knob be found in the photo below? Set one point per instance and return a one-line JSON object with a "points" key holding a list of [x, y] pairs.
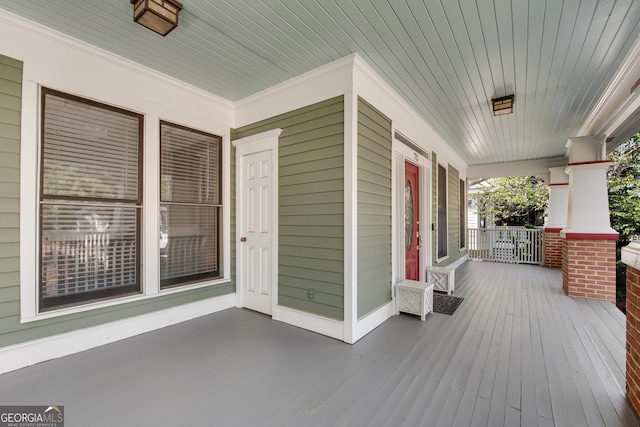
{"points": [[243, 239]]}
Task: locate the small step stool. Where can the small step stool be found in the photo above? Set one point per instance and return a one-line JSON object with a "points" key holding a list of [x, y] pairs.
{"points": [[443, 278], [414, 297]]}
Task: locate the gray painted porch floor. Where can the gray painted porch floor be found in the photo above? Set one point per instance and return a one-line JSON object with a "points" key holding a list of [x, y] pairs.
{"points": [[516, 352]]}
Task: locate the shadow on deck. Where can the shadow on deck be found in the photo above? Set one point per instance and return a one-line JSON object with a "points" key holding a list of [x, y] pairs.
{"points": [[517, 352]]}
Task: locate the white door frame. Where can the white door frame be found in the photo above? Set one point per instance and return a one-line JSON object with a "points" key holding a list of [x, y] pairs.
{"points": [[402, 153], [265, 141]]}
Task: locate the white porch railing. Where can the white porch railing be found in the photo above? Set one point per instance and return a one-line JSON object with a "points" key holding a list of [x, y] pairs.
{"points": [[506, 244]]}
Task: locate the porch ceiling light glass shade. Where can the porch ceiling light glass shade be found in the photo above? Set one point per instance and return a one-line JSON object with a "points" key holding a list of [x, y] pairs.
{"points": [[160, 16], [502, 105]]}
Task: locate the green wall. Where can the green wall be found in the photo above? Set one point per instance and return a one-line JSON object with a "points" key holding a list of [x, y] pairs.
{"points": [[374, 208], [11, 330], [10, 102], [310, 205]]}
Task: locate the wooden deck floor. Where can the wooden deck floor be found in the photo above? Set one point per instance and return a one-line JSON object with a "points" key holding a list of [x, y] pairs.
{"points": [[516, 352]]}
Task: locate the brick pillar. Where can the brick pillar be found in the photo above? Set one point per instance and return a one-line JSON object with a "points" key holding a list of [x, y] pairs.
{"points": [[589, 267], [631, 257], [552, 248]]}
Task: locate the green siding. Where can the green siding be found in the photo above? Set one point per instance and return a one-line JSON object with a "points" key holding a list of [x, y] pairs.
{"points": [[453, 212], [10, 101], [11, 330], [374, 208], [310, 205]]}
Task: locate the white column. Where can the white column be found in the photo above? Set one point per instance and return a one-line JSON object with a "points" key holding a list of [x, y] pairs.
{"points": [[558, 198], [588, 203]]}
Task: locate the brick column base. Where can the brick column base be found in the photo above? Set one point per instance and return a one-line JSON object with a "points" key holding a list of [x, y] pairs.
{"points": [[631, 257], [589, 268], [552, 248], [633, 337]]}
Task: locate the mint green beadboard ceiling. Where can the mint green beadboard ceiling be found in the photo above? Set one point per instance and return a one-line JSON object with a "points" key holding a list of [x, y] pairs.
{"points": [[447, 58]]}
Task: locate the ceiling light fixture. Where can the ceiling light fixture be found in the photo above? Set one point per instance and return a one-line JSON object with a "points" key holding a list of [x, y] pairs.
{"points": [[160, 16], [502, 105]]}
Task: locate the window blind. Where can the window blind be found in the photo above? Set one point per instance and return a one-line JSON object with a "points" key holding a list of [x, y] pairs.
{"points": [[190, 205], [89, 152], [442, 212], [90, 200]]}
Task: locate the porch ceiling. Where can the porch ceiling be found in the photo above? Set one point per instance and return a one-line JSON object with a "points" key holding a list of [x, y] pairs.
{"points": [[447, 59]]}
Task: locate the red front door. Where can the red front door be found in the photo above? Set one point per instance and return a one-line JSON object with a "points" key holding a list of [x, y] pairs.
{"points": [[411, 222]]}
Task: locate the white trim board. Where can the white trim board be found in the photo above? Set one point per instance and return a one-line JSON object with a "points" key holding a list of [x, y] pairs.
{"points": [[372, 320], [40, 350], [350, 216], [526, 167], [312, 322]]}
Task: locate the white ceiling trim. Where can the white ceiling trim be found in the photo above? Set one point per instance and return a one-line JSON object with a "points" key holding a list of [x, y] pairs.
{"points": [[614, 105], [50, 35], [323, 83]]}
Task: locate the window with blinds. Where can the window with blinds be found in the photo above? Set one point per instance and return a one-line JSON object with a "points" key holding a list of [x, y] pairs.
{"points": [[190, 205], [463, 214], [442, 212], [90, 200]]}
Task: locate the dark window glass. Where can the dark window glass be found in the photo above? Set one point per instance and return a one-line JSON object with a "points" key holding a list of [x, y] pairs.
{"points": [[463, 215], [442, 212]]}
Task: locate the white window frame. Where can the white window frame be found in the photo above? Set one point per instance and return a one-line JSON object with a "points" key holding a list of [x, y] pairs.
{"points": [[29, 192]]}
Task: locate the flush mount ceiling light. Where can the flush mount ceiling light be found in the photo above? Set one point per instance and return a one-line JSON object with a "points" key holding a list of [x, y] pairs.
{"points": [[502, 105], [160, 16]]}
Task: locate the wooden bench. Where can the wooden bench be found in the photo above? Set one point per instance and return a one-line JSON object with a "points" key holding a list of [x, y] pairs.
{"points": [[414, 297]]}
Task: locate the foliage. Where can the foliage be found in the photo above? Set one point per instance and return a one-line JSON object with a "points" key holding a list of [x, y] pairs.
{"points": [[624, 189], [515, 200], [624, 203]]}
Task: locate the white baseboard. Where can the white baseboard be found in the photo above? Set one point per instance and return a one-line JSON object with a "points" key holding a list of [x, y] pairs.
{"points": [[40, 350], [372, 320], [312, 322]]}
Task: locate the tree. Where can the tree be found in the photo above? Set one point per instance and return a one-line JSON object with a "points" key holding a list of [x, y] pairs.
{"points": [[624, 189], [515, 200], [624, 204]]}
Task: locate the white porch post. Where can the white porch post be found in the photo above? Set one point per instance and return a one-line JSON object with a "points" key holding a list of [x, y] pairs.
{"points": [[558, 206], [588, 245]]}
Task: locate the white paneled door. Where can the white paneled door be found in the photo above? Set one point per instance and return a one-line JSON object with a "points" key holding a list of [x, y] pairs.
{"points": [[256, 249]]}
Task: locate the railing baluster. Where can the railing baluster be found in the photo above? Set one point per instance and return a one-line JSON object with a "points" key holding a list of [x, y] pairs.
{"points": [[501, 244]]}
